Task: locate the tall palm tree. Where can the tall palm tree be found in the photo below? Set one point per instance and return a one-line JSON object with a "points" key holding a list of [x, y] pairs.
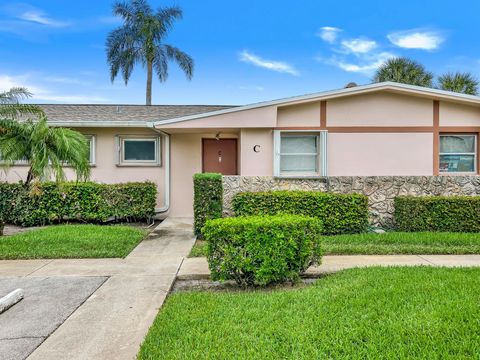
{"points": [[404, 70], [141, 40], [46, 149], [459, 82]]}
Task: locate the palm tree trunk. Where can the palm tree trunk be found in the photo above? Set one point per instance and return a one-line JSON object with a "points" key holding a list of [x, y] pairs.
{"points": [[29, 177], [149, 83]]}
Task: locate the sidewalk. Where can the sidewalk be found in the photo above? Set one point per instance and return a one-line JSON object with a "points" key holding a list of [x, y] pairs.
{"points": [[197, 268], [113, 321]]}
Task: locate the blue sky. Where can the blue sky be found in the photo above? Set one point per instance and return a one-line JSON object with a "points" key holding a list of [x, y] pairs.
{"points": [[244, 51]]}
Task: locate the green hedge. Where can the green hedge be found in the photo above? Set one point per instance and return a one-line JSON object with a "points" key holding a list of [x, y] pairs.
{"points": [[339, 213], [438, 213], [207, 199], [51, 202], [259, 250]]}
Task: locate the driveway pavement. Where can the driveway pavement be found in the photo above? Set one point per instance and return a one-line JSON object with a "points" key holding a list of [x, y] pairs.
{"points": [[47, 303], [113, 321]]}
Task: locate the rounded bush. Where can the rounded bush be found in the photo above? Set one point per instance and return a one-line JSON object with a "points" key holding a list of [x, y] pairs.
{"points": [[339, 213], [260, 250]]}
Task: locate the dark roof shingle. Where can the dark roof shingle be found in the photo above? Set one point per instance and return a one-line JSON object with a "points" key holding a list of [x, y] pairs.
{"points": [[59, 113]]}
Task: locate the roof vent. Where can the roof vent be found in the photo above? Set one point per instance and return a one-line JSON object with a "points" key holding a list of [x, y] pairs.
{"points": [[350, 85]]}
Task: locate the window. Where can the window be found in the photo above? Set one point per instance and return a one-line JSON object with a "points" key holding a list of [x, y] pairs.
{"points": [[139, 151], [300, 153], [458, 153], [91, 148]]}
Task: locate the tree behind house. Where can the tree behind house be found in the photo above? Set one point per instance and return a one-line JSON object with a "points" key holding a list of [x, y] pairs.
{"points": [[404, 70], [459, 82], [140, 40]]}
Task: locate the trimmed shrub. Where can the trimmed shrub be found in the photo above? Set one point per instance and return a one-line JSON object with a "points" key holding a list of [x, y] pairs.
{"points": [[437, 213], [339, 213], [260, 250], [51, 202], [207, 199]]}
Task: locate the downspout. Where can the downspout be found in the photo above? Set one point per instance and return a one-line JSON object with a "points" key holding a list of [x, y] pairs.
{"points": [[166, 192]]}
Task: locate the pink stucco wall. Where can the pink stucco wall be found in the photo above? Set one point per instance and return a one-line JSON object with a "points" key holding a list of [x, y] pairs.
{"points": [[259, 162], [458, 115], [380, 109], [299, 115], [256, 118], [186, 160], [380, 154]]}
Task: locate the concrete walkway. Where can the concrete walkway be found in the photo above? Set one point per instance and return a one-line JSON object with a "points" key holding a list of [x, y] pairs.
{"points": [[113, 321], [197, 268]]}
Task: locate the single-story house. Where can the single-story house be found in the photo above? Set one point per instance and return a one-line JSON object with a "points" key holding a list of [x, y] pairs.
{"points": [[382, 129]]}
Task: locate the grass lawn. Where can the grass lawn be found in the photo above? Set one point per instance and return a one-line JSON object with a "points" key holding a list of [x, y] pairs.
{"points": [[390, 243], [370, 313], [71, 241]]}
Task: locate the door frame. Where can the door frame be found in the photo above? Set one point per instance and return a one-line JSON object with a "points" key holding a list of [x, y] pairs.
{"points": [[236, 152]]}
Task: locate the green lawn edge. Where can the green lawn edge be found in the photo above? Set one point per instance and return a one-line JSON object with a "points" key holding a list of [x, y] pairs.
{"points": [[71, 242], [370, 313], [389, 243]]}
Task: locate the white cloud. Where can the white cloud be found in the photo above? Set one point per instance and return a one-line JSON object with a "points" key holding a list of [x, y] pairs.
{"points": [[42, 93], [65, 80], [39, 17], [278, 66], [329, 33], [365, 64], [359, 45], [416, 39]]}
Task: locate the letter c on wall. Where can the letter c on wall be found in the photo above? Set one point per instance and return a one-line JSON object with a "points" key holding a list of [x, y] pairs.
{"points": [[256, 148]]}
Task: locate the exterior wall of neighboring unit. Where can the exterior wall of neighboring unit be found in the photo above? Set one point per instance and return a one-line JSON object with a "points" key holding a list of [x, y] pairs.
{"points": [[106, 169]]}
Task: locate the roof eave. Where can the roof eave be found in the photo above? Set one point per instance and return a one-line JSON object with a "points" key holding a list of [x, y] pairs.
{"points": [[435, 93]]}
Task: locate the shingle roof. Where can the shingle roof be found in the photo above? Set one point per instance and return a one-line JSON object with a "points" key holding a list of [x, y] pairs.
{"points": [[118, 115]]}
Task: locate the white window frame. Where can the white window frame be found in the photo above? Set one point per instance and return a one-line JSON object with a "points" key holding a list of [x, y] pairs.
{"points": [[475, 154], [121, 151], [321, 153], [93, 149]]}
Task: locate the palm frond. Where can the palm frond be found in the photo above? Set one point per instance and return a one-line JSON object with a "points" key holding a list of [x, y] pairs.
{"points": [[182, 59], [464, 83], [404, 70], [14, 95], [46, 149], [140, 41], [10, 106]]}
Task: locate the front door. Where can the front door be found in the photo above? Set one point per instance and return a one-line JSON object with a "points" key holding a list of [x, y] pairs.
{"points": [[220, 156]]}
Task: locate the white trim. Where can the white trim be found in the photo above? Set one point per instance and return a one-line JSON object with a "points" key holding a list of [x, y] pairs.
{"points": [[475, 155], [411, 89], [121, 150], [276, 152], [93, 149], [324, 153]]}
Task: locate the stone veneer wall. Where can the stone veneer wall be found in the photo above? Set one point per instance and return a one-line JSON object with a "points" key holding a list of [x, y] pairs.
{"points": [[381, 190]]}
